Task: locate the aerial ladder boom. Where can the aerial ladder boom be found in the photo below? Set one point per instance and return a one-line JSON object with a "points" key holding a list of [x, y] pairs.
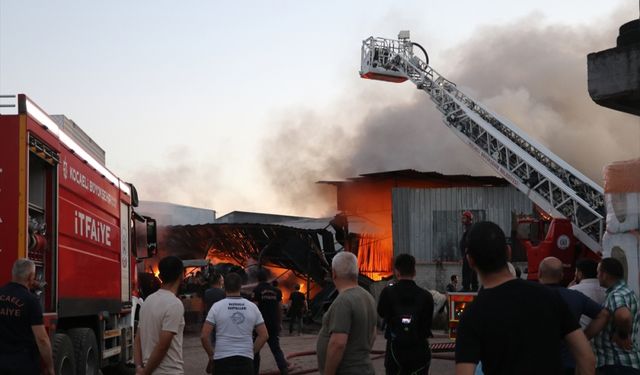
{"points": [[550, 182]]}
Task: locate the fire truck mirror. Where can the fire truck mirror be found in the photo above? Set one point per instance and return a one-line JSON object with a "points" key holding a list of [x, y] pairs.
{"points": [[145, 235], [527, 230], [152, 241], [523, 231]]}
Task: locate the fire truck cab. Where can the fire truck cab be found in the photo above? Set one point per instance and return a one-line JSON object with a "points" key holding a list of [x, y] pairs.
{"points": [[548, 237], [63, 209]]}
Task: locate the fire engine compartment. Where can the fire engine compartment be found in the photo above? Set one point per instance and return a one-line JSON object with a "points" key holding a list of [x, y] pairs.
{"points": [[42, 225]]}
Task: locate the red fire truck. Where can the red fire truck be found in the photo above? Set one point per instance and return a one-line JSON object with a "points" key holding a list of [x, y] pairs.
{"points": [[62, 208]]}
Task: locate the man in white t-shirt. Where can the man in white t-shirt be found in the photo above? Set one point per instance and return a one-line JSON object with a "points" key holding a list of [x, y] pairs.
{"points": [[234, 320], [158, 343]]}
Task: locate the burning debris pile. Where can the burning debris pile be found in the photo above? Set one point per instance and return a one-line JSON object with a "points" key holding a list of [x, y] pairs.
{"points": [[282, 249]]}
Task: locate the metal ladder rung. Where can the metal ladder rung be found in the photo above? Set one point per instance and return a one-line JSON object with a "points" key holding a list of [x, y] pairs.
{"points": [[111, 334], [108, 353]]}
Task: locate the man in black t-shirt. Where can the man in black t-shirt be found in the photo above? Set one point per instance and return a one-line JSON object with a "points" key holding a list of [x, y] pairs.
{"points": [[452, 287], [514, 326], [297, 307], [407, 311], [268, 299], [212, 295], [215, 292], [23, 338]]}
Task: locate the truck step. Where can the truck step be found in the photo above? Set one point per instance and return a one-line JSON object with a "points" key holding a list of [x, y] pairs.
{"points": [[107, 353], [109, 334]]}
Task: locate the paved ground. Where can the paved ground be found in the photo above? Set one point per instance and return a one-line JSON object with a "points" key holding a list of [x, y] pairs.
{"points": [[196, 360]]}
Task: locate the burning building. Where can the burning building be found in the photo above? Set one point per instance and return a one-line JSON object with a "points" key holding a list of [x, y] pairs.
{"points": [[380, 214], [407, 211], [294, 250]]}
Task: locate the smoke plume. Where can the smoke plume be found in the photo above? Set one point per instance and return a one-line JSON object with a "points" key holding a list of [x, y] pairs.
{"points": [[529, 72], [181, 178]]}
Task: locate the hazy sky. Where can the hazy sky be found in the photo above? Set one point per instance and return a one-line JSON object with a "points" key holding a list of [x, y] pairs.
{"points": [[187, 97]]}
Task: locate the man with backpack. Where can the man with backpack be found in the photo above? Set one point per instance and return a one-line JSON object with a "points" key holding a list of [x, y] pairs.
{"points": [[407, 310]]}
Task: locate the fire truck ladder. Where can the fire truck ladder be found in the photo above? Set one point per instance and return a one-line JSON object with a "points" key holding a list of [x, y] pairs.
{"points": [[545, 178]]}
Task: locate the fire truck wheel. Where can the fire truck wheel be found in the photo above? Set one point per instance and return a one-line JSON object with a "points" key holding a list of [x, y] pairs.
{"points": [[64, 362], [85, 346]]}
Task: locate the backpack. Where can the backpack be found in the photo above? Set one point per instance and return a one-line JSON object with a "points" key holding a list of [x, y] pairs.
{"points": [[405, 328]]}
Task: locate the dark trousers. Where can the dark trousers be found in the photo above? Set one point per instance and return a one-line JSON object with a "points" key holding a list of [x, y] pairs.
{"points": [[401, 362], [469, 277], [278, 355], [617, 370], [235, 365], [296, 319], [19, 364]]}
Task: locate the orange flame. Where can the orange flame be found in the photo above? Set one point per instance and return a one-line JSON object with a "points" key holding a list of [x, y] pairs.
{"points": [[375, 256], [286, 278]]}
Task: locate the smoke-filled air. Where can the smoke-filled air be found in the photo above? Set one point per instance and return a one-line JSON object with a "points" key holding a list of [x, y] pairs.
{"points": [[530, 72]]}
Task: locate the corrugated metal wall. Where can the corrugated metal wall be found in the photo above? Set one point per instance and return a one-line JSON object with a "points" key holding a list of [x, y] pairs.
{"points": [[426, 222]]}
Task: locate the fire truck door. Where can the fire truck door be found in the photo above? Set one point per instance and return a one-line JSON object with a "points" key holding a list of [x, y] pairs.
{"points": [[42, 220], [125, 262]]}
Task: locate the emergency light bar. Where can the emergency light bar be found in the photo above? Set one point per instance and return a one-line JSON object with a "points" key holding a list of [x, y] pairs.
{"points": [[34, 111]]}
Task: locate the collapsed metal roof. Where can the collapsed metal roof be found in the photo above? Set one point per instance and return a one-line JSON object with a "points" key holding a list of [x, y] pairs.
{"points": [[304, 251]]}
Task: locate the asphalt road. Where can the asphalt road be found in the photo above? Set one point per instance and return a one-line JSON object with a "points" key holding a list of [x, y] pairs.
{"points": [[195, 359]]}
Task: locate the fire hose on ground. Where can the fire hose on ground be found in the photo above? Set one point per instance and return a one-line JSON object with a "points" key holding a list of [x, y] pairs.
{"points": [[437, 352]]}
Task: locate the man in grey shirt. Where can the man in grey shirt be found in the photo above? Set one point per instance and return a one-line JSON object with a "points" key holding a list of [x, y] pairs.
{"points": [[158, 343], [349, 326]]}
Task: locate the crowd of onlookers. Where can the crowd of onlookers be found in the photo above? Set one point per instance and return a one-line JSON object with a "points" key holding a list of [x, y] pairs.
{"points": [[520, 327], [512, 327]]}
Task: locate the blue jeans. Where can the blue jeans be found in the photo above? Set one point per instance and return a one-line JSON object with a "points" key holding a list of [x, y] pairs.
{"points": [[617, 370], [479, 369]]}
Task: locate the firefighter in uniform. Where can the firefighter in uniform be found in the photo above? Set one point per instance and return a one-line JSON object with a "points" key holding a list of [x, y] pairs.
{"points": [[469, 276], [23, 338]]}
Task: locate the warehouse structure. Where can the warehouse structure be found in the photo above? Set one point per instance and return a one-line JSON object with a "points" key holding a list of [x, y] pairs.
{"points": [[414, 212]]}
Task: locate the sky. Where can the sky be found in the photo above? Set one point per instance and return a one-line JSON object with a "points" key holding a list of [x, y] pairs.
{"points": [[243, 105]]}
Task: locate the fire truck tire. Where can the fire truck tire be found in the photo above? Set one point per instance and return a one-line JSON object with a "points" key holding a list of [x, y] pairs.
{"points": [[85, 347], [64, 361]]}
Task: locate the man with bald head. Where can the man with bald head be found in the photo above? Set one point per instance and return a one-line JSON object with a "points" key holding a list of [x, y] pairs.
{"points": [[551, 273]]}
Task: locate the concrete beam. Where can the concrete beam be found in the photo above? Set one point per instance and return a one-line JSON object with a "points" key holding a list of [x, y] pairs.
{"points": [[614, 74], [614, 78]]}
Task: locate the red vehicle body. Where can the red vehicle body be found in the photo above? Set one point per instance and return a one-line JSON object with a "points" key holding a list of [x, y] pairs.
{"points": [[554, 237], [64, 210]]}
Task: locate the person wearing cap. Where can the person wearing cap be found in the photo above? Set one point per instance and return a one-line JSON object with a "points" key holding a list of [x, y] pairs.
{"points": [[469, 276]]}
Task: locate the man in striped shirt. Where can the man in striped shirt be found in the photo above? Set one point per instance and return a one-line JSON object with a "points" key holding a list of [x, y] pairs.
{"points": [[617, 350]]}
